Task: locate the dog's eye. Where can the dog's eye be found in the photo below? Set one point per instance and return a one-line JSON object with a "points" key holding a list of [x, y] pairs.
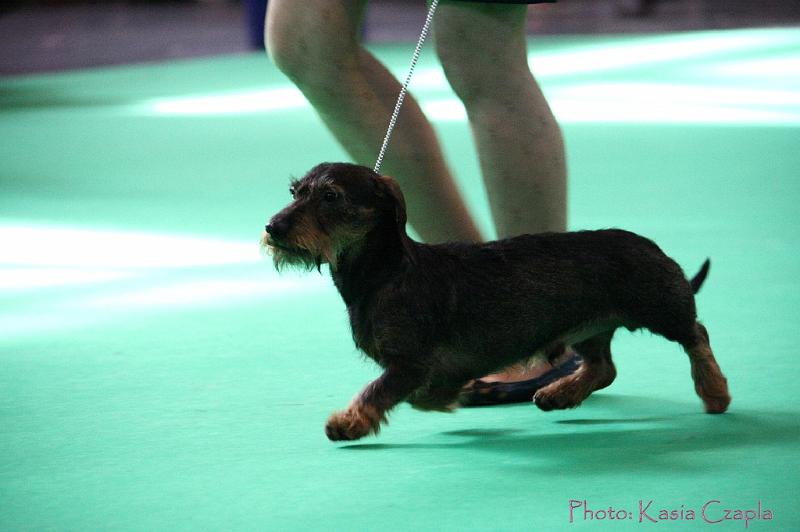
{"points": [[292, 191], [330, 196]]}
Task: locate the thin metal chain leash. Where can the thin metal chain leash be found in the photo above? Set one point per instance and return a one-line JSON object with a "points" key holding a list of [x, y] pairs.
{"points": [[402, 95]]}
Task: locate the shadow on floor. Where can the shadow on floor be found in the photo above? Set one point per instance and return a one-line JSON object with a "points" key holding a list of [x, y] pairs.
{"points": [[679, 441]]}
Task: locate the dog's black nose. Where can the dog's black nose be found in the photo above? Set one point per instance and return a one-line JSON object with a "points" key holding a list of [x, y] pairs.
{"points": [[277, 229]]}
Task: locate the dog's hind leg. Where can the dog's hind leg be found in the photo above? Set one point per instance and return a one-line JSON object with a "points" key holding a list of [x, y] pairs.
{"points": [[442, 391], [709, 382], [596, 371], [441, 398]]}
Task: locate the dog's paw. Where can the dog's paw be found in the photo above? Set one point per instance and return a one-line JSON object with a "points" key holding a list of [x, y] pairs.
{"points": [[559, 395], [353, 423], [716, 402]]}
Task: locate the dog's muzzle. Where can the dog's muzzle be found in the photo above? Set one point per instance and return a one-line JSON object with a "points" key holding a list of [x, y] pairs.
{"points": [[277, 230]]}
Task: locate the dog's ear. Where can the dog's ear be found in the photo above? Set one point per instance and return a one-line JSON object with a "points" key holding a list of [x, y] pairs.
{"points": [[391, 189]]}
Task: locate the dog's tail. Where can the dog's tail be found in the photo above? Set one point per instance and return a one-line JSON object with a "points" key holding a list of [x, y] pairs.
{"points": [[697, 280]]}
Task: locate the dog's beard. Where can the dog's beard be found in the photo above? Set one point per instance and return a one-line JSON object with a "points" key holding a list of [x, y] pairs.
{"points": [[290, 257], [299, 259]]}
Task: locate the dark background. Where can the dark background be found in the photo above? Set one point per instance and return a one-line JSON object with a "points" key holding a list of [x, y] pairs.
{"points": [[38, 36]]}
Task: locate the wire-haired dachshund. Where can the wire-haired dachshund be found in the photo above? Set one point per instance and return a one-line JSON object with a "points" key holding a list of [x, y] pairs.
{"points": [[437, 316]]}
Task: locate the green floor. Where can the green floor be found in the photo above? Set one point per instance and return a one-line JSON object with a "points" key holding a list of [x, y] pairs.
{"points": [[156, 374]]}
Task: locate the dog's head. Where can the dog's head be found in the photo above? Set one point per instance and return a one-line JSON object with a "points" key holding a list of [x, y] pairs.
{"points": [[334, 208]]}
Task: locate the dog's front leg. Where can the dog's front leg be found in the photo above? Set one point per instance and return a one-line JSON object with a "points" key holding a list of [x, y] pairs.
{"points": [[369, 408]]}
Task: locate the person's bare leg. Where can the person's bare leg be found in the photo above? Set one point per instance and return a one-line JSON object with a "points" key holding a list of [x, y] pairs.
{"points": [[483, 51], [316, 44], [484, 54]]}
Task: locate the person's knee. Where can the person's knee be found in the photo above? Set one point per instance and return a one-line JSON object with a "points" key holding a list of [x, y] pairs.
{"points": [[285, 48], [468, 79], [307, 48], [482, 49]]}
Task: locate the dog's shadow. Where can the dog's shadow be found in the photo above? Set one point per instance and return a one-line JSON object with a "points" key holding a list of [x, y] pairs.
{"points": [[679, 441]]}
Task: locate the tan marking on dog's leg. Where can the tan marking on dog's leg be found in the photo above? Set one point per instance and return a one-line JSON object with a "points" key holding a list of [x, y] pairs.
{"points": [[709, 382], [596, 371], [571, 390], [356, 422], [606, 373]]}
